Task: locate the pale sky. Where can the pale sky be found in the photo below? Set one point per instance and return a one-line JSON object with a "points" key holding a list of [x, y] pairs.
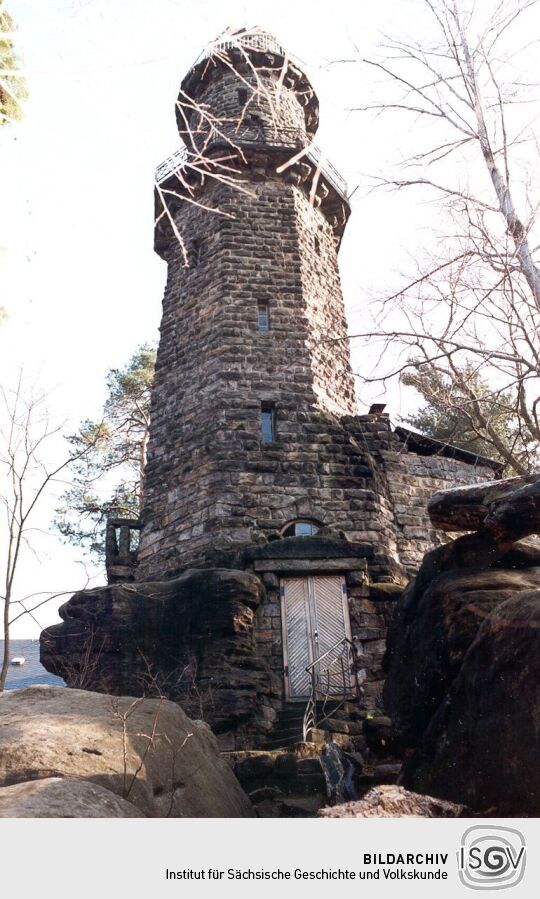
{"points": [[77, 270]]}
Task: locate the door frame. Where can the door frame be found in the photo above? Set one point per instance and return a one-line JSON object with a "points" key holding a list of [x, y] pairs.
{"points": [[346, 619]]}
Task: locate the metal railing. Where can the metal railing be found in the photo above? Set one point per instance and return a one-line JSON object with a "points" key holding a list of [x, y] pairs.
{"points": [[262, 138], [172, 164], [248, 40], [329, 683]]}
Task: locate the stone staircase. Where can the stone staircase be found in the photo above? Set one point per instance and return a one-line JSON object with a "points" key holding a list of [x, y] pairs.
{"points": [[285, 783], [350, 752], [288, 728], [342, 724]]}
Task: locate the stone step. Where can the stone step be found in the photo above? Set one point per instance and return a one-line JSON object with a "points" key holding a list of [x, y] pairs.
{"points": [[287, 720], [282, 743], [295, 714], [295, 732]]}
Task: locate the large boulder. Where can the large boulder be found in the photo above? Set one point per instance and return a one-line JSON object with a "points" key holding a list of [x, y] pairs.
{"points": [[463, 660], [463, 654], [58, 797], [512, 503], [482, 745], [435, 623], [389, 801], [190, 639], [146, 751]]}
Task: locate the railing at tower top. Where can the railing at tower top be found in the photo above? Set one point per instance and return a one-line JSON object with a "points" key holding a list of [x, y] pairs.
{"points": [[249, 40], [329, 682], [172, 164], [312, 153]]}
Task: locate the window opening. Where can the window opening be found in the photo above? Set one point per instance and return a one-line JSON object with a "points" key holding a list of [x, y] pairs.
{"points": [[268, 423], [263, 317], [301, 528]]}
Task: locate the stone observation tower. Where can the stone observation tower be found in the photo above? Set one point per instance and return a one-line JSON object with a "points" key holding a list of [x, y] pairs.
{"points": [[278, 525], [253, 366]]}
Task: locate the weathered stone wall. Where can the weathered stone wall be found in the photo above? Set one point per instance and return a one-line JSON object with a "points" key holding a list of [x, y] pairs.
{"points": [[211, 485], [412, 480], [328, 348], [243, 102], [407, 480]]}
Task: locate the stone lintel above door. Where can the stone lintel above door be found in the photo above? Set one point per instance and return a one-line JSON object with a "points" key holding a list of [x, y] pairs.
{"points": [[309, 566]]}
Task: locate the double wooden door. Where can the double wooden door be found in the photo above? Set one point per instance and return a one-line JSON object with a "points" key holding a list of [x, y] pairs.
{"points": [[315, 617]]}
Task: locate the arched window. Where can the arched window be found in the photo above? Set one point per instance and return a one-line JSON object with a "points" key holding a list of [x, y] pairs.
{"points": [[303, 527]]}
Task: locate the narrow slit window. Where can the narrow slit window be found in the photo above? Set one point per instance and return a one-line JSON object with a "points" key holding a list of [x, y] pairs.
{"points": [[263, 317], [242, 95], [268, 423]]}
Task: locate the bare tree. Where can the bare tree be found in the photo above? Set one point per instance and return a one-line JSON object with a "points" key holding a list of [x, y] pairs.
{"points": [[470, 311], [26, 437]]}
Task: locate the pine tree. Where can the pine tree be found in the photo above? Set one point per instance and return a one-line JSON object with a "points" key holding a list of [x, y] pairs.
{"points": [[465, 411], [108, 478]]}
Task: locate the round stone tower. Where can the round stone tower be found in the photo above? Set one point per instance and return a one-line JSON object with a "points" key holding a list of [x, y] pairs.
{"points": [[253, 374]]}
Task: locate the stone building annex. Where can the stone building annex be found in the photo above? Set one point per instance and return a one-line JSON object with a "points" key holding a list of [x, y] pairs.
{"points": [[278, 525]]}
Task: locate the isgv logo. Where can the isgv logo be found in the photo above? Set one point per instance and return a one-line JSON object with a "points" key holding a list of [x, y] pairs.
{"points": [[491, 858]]}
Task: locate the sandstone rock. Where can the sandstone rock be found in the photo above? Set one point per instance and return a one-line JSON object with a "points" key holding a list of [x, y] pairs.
{"points": [[436, 621], [385, 591], [382, 736], [58, 797], [317, 547], [387, 773], [482, 745], [525, 554], [172, 765], [202, 623], [282, 770], [395, 802], [466, 508], [517, 515], [463, 664], [301, 807]]}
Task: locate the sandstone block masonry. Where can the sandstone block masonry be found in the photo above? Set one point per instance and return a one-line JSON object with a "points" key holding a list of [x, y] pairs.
{"points": [[269, 249]]}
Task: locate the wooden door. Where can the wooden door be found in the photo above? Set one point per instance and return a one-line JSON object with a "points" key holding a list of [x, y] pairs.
{"points": [[315, 617]]}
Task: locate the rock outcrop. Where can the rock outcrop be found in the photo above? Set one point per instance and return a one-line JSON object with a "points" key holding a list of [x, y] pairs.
{"points": [[463, 657], [58, 797], [436, 622], [202, 623], [145, 751], [471, 508], [395, 802], [482, 745]]}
